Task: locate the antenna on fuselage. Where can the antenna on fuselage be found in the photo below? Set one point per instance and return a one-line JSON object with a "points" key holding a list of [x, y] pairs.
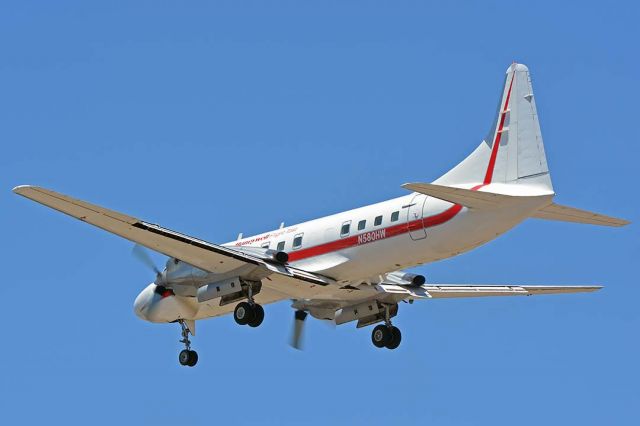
{"points": [[240, 236], [281, 225]]}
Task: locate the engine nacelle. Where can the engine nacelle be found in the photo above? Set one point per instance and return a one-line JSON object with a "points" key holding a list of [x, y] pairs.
{"points": [[405, 278], [366, 313], [219, 289], [264, 253], [356, 312], [160, 304]]}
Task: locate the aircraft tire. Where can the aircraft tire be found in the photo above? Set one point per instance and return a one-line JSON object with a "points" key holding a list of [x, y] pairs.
{"points": [[380, 336], [258, 316], [243, 313], [184, 357], [396, 338], [193, 358]]}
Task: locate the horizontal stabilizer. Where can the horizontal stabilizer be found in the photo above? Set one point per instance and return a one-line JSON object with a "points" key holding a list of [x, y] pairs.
{"points": [[569, 214], [465, 197]]}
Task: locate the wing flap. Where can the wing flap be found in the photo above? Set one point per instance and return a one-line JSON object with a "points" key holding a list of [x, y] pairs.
{"points": [[570, 214]]}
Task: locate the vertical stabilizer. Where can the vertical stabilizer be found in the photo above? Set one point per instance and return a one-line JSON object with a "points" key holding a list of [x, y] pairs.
{"points": [[512, 151]]}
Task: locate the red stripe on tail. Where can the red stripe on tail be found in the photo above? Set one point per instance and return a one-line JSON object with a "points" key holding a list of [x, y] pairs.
{"points": [[496, 142]]}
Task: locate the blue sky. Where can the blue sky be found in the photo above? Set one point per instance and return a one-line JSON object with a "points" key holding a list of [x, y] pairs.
{"points": [[214, 118]]}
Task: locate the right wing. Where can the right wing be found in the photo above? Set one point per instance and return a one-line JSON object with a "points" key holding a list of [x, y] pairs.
{"points": [[570, 214], [201, 254], [448, 291]]}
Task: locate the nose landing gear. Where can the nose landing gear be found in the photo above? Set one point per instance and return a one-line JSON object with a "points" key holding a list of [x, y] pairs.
{"points": [[187, 357]]}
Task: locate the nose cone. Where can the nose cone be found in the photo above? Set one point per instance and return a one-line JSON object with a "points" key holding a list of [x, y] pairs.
{"points": [[142, 303], [154, 305]]}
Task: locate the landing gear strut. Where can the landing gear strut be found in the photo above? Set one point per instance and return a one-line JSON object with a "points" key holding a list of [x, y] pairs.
{"points": [[187, 356], [386, 335], [249, 313]]}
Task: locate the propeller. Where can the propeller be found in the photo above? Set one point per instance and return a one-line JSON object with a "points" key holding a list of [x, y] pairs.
{"points": [[140, 253], [298, 328]]}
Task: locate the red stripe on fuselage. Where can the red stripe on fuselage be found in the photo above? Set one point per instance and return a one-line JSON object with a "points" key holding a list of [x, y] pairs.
{"points": [[496, 142], [391, 231]]}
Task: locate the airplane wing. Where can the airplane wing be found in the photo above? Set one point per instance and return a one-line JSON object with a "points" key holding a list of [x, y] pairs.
{"points": [[201, 254], [464, 290], [448, 291]]}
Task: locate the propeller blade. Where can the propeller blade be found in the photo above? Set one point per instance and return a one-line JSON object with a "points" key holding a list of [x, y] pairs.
{"points": [[298, 328], [140, 253]]}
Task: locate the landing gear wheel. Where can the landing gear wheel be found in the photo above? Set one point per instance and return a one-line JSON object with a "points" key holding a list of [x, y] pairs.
{"points": [[396, 337], [381, 336], [258, 316], [194, 359], [188, 357], [244, 313]]}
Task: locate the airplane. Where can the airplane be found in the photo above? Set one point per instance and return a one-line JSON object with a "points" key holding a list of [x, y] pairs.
{"points": [[350, 266]]}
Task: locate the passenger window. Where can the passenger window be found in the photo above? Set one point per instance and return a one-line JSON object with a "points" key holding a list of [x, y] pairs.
{"points": [[346, 227], [362, 224], [280, 246], [395, 216], [377, 221], [297, 241], [265, 245]]}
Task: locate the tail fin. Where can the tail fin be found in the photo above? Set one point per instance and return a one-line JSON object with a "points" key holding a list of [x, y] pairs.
{"points": [[513, 151]]}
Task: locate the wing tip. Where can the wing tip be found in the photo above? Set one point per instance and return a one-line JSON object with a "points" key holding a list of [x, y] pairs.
{"points": [[595, 287], [21, 189], [532, 290]]}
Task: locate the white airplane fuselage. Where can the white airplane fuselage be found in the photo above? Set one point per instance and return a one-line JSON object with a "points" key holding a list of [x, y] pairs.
{"points": [[440, 230], [427, 230]]}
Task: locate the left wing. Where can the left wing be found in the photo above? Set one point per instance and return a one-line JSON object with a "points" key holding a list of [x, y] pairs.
{"points": [[201, 254], [447, 291]]}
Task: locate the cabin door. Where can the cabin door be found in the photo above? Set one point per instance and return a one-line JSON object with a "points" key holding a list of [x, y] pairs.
{"points": [[414, 217]]}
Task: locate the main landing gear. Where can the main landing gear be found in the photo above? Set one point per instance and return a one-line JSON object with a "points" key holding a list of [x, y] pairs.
{"points": [[386, 335], [249, 312], [187, 356]]}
